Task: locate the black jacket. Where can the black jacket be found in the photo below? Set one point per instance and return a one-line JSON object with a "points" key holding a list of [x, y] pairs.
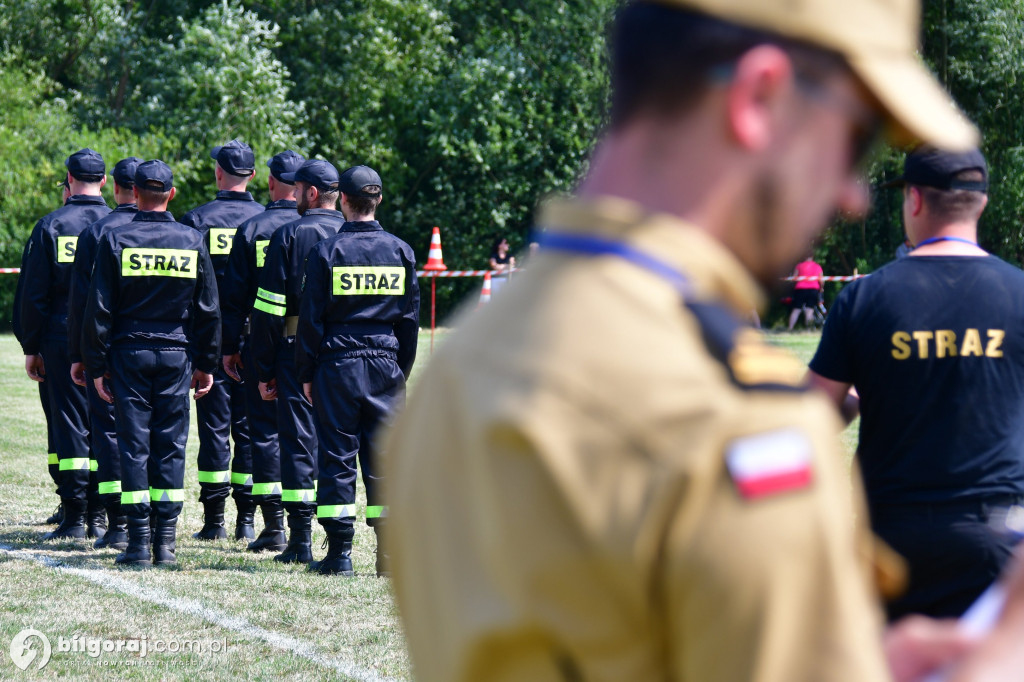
{"points": [[153, 287], [281, 282], [241, 279], [218, 220], [46, 270], [360, 294], [81, 272]]}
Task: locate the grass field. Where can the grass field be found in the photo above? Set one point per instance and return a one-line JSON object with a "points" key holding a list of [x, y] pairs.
{"points": [[232, 614]]}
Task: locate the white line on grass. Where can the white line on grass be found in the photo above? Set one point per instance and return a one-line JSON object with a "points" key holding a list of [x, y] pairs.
{"points": [[193, 608]]}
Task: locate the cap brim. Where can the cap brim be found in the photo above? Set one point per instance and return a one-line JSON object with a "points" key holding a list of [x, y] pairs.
{"points": [[919, 109], [289, 177], [216, 151]]}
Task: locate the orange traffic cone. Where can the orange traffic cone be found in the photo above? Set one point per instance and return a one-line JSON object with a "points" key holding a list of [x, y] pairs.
{"points": [[434, 259], [485, 291]]}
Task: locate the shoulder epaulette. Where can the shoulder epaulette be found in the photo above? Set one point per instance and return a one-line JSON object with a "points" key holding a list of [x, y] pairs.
{"points": [[752, 362]]}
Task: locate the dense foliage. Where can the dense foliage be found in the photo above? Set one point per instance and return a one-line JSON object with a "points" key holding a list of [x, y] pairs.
{"points": [[471, 111]]}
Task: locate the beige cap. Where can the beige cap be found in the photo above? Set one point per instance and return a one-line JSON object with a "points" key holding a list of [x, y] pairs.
{"points": [[878, 38]]}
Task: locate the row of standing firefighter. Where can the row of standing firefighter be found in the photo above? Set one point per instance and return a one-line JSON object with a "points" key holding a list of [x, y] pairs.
{"points": [[295, 323]]}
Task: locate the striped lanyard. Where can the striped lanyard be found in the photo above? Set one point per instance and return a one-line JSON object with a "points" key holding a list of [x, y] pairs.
{"points": [[598, 246], [933, 240]]}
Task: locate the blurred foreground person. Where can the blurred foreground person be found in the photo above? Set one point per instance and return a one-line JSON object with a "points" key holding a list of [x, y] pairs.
{"points": [[606, 474]]}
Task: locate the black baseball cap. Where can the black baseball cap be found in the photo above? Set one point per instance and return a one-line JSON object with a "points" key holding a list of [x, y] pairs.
{"points": [[285, 162], [361, 181], [316, 172], [236, 158], [124, 171], [154, 175], [86, 165], [927, 166]]}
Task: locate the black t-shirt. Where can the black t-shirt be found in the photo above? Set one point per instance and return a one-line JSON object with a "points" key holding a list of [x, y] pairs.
{"points": [[935, 347]]}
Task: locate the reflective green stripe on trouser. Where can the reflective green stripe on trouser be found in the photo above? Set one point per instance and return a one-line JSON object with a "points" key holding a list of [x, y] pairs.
{"points": [[296, 436], [151, 399], [335, 511], [220, 419], [110, 487]]}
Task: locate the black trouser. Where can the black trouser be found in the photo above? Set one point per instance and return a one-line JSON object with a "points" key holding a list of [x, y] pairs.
{"points": [[52, 460], [151, 399], [103, 439], [353, 394], [219, 414], [296, 435], [69, 415], [952, 551], [262, 416]]}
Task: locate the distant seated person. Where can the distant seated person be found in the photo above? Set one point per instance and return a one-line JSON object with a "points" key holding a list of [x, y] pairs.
{"points": [[806, 292], [501, 262]]}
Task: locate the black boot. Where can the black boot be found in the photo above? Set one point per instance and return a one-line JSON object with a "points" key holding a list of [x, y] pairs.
{"points": [[137, 552], [271, 539], [339, 554], [299, 549], [246, 511], [163, 542], [72, 525], [116, 536], [56, 516], [96, 519], [213, 521], [383, 564]]}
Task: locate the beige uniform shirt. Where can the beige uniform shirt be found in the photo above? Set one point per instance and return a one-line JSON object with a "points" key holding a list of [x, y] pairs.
{"points": [[580, 491]]}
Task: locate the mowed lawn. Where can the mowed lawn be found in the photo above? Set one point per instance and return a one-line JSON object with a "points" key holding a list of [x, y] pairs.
{"points": [[251, 617]]}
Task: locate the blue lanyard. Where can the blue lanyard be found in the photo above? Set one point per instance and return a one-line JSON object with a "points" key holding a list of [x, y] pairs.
{"points": [[598, 246], [945, 239]]}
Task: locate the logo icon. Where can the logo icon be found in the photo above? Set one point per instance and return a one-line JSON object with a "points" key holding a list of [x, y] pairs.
{"points": [[24, 651]]}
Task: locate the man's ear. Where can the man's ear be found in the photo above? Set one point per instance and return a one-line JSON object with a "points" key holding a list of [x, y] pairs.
{"points": [[761, 78], [916, 201], [170, 197]]}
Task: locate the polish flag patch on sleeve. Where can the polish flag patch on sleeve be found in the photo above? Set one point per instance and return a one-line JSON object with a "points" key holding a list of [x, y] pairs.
{"points": [[770, 463]]}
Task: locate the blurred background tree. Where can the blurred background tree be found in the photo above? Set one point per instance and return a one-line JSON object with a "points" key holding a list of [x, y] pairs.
{"points": [[471, 111]]}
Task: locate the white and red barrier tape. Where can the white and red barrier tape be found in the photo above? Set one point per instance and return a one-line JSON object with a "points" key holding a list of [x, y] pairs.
{"points": [[481, 273]]}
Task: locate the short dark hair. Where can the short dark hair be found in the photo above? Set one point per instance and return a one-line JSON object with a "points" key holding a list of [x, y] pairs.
{"points": [[363, 205], [663, 58], [152, 196], [955, 204], [326, 198]]}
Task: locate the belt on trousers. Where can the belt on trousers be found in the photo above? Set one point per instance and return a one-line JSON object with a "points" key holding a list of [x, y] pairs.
{"points": [[127, 326], [291, 326], [360, 328], [980, 505]]}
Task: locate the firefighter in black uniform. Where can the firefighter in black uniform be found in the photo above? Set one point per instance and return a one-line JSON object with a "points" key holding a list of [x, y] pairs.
{"points": [[150, 316], [43, 319], [274, 321], [102, 436], [223, 413], [355, 346], [237, 293], [52, 461]]}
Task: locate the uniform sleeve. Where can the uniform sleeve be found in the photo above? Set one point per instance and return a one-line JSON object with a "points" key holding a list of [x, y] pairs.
{"points": [[407, 330], [763, 579], [100, 303], [269, 309], [316, 296], [234, 307], [35, 294], [206, 321], [834, 359], [78, 289], [18, 293]]}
